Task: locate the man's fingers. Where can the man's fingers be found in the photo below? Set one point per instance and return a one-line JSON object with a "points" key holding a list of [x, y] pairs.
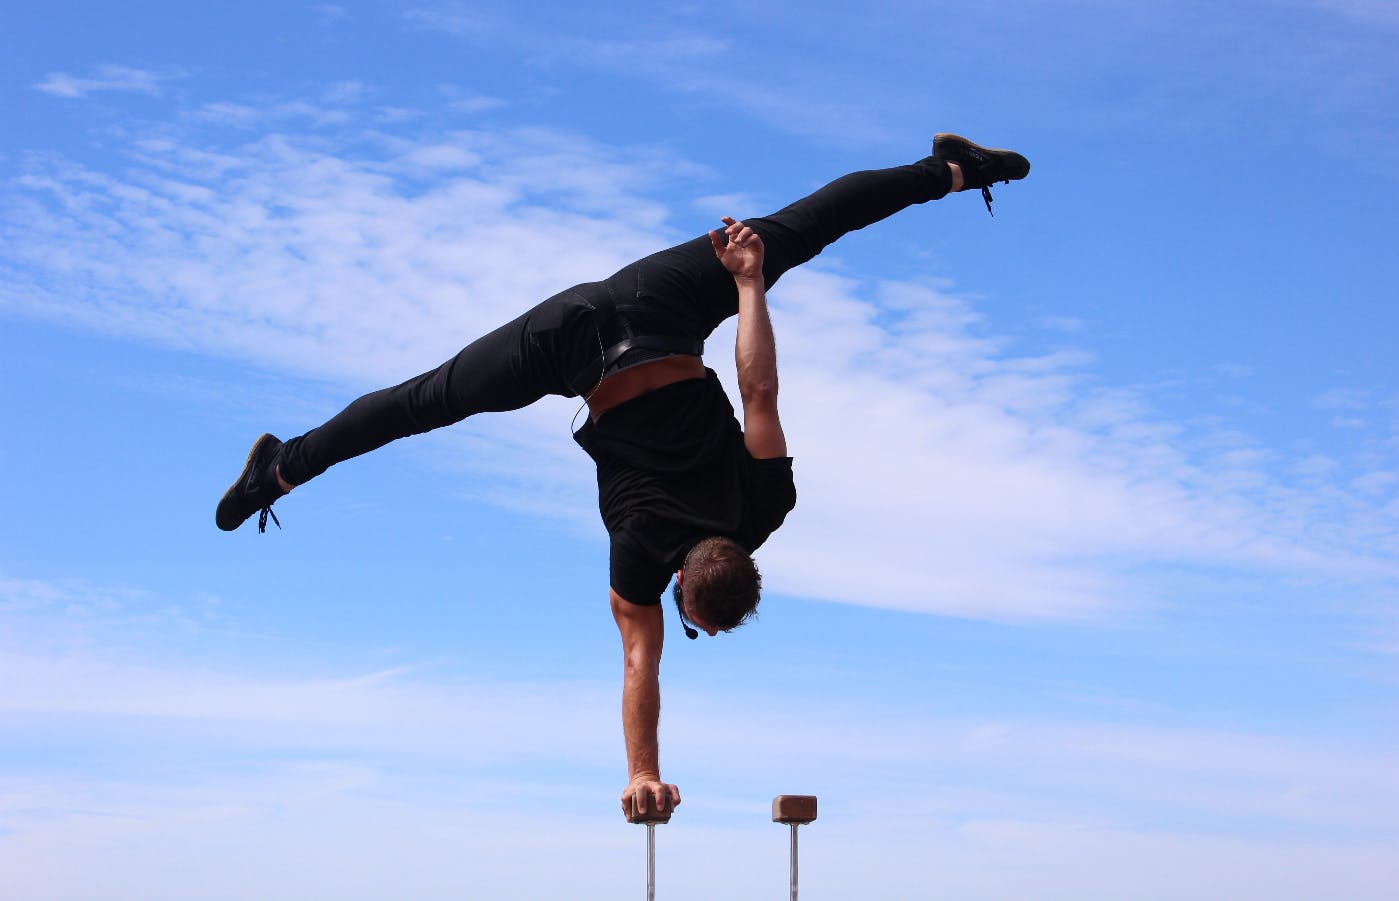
{"points": [[736, 232], [644, 799]]}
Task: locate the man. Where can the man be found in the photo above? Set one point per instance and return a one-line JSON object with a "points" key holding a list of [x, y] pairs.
{"points": [[681, 487]]}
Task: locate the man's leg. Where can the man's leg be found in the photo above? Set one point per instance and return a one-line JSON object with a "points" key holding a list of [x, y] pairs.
{"points": [[552, 349], [687, 284], [799, 231], [503, 370]]}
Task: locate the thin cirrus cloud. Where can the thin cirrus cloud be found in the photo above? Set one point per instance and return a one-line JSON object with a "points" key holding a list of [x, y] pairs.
{"points": [[230, 757], [105, 79], [1020, 486], [690, 58]]}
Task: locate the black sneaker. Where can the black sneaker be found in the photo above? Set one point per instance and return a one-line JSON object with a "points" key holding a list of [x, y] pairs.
{"points": [[255, 490], [981, 166]]}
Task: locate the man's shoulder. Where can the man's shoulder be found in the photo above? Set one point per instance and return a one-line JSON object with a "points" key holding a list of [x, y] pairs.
{"points": [[633, 567]]}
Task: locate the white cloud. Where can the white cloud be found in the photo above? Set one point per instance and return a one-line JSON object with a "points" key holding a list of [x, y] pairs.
{"points": [[946, 474], [681, 50], [1369, 12], [106, 78], [1350, 399], [79, 605], [416, 781], [330, 13], [474, 103]]}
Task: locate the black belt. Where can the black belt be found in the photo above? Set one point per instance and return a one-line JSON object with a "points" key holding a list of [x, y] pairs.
{"points": [[617, 338], [664, 345]]}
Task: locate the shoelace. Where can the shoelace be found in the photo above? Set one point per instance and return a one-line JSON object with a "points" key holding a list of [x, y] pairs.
{"points": [[262, 518], [986, 196]]}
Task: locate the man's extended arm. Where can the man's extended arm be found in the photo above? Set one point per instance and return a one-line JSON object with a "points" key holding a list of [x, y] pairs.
{"points": [[755, 349], [643, 634]]}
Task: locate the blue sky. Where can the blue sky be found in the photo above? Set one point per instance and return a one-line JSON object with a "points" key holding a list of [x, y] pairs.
{"points": [[1091, 590]]}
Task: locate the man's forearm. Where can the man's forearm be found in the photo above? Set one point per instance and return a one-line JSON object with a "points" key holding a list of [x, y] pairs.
{"points": [[755, 349], [643, 634], [641, 714]]}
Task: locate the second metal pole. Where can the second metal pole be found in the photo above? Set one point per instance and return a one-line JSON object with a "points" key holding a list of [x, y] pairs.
{"points": [[794, 810]]}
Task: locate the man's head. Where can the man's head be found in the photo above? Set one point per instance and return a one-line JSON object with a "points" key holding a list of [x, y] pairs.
{"points": [[718, 587]]}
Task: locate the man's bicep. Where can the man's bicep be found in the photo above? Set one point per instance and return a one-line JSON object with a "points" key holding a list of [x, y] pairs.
{"points": [[762, 429]]}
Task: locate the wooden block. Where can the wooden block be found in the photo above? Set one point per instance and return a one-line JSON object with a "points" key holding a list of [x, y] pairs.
{"points": [[652, 815], [794, 808]]}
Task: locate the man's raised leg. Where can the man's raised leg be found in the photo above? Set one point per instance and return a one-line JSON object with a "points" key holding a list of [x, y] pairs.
{"points": [[801, 230]]}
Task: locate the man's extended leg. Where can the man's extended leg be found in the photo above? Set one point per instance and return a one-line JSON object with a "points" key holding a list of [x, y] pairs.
{"points": [[552, 349], [801, 230], [688, 273]]}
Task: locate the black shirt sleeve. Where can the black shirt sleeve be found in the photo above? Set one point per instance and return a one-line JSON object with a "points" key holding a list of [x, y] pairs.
{"points": [[770, 494], [635, 575]]}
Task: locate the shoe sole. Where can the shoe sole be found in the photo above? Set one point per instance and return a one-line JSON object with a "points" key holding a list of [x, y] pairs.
{"points": [[230, 496], [1020, 167]]}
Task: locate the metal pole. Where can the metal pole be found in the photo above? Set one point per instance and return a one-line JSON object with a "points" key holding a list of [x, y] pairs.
{"points": [[794, 862], [651, 818], [650, 862]]}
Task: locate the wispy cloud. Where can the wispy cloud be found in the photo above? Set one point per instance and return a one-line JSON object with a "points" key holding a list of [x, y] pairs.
{"points": [[1019, 485], [105, 79], [686, 54], [1369, 12], [331, 13], [80, 606], [236, 767]]}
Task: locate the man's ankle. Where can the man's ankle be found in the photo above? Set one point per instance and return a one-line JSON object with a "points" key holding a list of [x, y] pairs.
{"points": [[281, 482], [958, 183]]}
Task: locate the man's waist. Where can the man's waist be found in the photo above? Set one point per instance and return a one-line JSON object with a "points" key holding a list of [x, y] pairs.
{"points": [[634, 381]]}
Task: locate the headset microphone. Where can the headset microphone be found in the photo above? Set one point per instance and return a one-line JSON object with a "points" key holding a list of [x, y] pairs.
{"points": [[679, 594]]}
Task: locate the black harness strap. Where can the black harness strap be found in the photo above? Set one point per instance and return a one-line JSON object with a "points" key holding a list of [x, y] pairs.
{"points": [[618, 338]]}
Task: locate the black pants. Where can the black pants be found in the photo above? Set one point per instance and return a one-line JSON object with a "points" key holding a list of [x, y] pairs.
{"points": [[557, 347]]}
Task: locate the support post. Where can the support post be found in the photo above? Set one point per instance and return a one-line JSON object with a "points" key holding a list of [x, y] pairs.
{"points": [[794, 810], [650, 818]]}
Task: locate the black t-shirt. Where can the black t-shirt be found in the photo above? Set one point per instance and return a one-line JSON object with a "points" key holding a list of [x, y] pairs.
{"points": [[672, 469]]}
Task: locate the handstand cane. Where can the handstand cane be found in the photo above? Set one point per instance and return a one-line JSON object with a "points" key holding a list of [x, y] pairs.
{"points": [[651, 818], [794, 810]]}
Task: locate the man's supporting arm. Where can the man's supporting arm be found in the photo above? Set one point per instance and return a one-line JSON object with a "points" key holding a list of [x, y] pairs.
{"points": [[643, 634]]}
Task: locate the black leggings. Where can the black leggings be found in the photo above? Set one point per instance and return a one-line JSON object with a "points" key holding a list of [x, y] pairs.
{"points": [[557, 347]]}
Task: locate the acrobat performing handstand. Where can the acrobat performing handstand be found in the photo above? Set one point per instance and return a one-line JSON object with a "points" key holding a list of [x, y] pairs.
{"points": [[683, 488]]}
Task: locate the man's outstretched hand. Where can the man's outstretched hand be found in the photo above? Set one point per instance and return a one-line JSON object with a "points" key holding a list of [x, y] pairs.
{"points": [[743, 254], [651, 795]]}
